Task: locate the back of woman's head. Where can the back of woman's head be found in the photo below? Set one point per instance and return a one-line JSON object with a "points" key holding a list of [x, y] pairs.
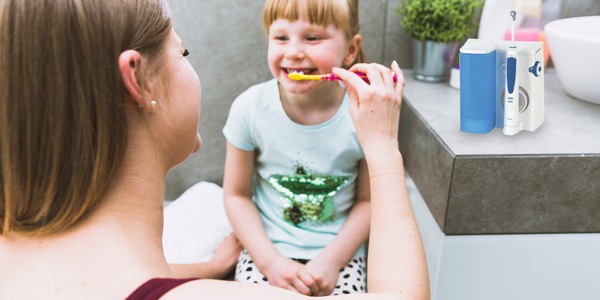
{"points": [[63, 127], [339, 13]]}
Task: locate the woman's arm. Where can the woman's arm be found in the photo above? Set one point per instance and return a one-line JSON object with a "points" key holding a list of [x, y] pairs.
{"points": [[219, 266], [397, 263], [325, 266], [248, 227]]}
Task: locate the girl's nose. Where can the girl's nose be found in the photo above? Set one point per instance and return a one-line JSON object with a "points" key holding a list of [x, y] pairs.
{"points": [[294, 50]]}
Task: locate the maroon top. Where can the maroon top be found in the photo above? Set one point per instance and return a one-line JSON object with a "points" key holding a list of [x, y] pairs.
{"points": [[155, 288]]}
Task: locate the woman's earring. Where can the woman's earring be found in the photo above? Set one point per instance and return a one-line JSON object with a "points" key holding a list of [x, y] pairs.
{"points": [[153, 103]]}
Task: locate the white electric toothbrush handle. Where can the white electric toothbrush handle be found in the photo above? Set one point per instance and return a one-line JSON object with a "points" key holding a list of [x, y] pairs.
{"points": [[511, 100]]}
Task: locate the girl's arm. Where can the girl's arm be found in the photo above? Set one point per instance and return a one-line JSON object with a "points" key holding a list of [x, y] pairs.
{"points": [[325, 267], [248, 227]]}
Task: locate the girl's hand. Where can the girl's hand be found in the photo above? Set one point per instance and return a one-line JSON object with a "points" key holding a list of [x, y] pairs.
{"points": [[227, 253], [324, 274], [292, 275], [375, 105]]}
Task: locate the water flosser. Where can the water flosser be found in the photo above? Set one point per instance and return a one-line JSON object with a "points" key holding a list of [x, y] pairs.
{"points": [[511, 90]]}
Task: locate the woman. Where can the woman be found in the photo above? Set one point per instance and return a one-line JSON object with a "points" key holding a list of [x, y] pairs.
{"points": [[97, 104]]}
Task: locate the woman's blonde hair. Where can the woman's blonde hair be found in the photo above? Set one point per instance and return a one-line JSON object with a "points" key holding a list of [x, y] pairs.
{"points": [[63, 127], [321, 12]]}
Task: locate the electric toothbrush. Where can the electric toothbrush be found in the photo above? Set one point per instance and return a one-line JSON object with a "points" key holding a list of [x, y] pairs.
{"points": [[511, 89]]}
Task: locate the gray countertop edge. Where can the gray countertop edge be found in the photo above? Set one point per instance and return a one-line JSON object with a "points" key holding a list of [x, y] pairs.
{"points": [[500, 193]]}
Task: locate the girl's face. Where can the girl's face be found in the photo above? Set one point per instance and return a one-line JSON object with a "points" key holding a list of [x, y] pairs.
{"points": [[309, 48]]}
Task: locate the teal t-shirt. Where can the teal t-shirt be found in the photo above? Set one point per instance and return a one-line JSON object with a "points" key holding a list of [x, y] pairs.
{"points": [[305, 175]]}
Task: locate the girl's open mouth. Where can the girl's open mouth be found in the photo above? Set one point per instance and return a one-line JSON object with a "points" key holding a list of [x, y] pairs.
{"points": [[301, 71]]}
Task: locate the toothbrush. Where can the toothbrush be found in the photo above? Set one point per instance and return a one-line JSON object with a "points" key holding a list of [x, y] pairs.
{"points": [[330, 76], [511, 89]]}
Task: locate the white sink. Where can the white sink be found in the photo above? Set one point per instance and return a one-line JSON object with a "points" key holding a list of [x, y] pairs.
{"points": [[575, 49]]}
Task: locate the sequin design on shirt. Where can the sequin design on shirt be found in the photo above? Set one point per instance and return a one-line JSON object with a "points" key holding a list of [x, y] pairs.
{"points": [[307, 196]]}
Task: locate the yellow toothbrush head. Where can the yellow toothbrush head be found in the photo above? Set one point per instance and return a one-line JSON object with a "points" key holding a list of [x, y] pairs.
{"points": [[295, 76], [300, 76]]}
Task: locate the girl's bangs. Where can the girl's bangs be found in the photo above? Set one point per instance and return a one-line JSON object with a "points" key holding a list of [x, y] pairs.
{"points": [[320, 12]]}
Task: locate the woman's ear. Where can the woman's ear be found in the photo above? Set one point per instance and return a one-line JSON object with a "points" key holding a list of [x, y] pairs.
{"points": [[129, 65], [353, 48]]}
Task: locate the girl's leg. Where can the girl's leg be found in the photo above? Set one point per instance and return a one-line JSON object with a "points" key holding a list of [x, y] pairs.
{"points": [[352, 278], [246, 270]]}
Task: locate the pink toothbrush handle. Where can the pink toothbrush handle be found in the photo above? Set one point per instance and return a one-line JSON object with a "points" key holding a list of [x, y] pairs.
{"points": [[333, 77]]}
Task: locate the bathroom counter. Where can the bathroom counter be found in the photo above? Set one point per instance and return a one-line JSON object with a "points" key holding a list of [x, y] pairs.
{"points": [[547, 181]]}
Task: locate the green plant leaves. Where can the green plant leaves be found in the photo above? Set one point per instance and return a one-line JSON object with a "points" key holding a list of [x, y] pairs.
{"points": [[439, 20]]}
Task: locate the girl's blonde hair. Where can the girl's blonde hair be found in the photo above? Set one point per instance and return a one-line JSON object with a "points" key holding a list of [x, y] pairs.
{"points": [[321, 12], [63, 127]]}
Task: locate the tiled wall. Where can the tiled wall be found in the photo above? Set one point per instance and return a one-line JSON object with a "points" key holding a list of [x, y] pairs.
{"points": [[228, 50]]}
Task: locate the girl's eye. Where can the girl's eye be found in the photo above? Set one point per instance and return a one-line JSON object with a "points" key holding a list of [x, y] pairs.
{"points": [[186, 52], [312, 38], [281, 38]]}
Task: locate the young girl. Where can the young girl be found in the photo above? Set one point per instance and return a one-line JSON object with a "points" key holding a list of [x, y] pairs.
{"points": [[296, 184]]}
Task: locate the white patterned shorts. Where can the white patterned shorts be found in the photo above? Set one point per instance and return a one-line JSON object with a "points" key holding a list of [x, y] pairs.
{"points": [[352, 278]]}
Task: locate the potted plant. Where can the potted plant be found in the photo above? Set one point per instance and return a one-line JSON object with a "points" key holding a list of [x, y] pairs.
{"points": [[436, 28]]}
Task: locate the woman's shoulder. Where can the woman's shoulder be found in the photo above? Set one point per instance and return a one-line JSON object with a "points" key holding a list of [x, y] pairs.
{"points": [[220, 289]]}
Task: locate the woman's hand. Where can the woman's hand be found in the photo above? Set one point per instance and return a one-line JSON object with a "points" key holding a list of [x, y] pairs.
{"points": [[292, 275], [221, 264], [375, 105], [227, 254]]}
